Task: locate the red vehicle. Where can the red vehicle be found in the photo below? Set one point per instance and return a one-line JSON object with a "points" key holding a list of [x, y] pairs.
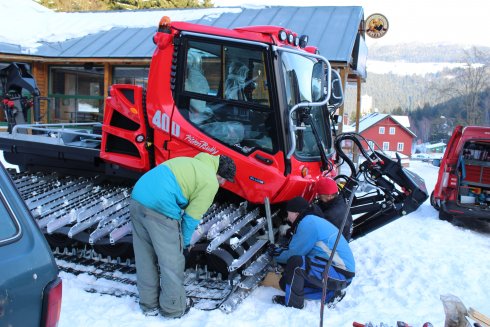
{"points": [[222, 94], [462, 191], [258, 94]]}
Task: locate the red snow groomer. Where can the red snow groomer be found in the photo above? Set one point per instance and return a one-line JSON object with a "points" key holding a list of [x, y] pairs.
{"points": [[258, 94], [245, 93]]}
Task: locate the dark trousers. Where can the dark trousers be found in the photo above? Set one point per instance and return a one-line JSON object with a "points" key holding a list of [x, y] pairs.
{"points": [[302, 278]]}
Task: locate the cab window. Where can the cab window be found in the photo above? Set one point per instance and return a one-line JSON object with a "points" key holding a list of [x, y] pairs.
{"points": [[226, 95]]}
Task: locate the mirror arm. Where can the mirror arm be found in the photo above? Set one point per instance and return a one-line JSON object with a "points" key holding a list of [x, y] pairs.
{"points": [[293, 128]]}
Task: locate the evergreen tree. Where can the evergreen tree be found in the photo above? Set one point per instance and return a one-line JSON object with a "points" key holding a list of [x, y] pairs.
{"points": [[95, 5]]}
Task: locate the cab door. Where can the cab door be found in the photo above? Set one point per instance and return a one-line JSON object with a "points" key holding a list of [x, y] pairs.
{"points": [[224, 106]]}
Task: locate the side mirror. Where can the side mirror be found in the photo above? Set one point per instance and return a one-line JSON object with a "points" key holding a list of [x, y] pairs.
{"points": [[436, 162], [318, 82], [337, 119], [337, 94]]}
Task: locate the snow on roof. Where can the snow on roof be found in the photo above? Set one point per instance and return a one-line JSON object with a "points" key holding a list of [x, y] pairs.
{"points": [[348, 128], [371, 119], [46, 25], [128, 33], [402, 120], [435, 145], [392, 154], [10, 48]]}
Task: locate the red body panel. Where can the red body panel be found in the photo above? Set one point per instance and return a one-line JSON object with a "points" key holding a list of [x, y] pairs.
{"points": [[446, 185], [174, 136], [119, 104]]}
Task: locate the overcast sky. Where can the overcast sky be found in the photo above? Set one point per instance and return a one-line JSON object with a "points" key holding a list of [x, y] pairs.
{"points": [[428, 21]]}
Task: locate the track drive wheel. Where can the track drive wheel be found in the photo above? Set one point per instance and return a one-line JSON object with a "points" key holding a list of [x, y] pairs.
{"points": [[60, 241], [120, 250]]}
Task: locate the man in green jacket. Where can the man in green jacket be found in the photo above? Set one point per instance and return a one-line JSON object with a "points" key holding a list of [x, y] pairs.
{"points": [[166, 206]]}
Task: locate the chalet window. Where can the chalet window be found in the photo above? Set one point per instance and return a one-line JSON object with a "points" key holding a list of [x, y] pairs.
{"points": [[130, 75], [392, 130], [400, 146], [371, 144], [381, 130], [386, 146], [78, 93]]}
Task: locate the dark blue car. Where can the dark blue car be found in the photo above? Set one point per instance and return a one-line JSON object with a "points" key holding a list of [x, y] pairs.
{"points": [[30, 289]]}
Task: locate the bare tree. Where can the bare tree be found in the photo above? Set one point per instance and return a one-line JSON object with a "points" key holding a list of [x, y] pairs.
{"points": [[469, 83]]}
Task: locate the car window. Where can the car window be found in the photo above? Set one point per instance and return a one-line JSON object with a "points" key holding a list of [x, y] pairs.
{"points": [[9, 226]]}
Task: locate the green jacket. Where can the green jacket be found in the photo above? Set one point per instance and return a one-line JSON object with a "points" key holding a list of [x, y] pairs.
{"points": [[180, 188]]}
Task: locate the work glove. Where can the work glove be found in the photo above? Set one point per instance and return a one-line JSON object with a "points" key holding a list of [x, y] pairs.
{"points": [[274, 250], [186, 251], [196, 236], [285, 230]]}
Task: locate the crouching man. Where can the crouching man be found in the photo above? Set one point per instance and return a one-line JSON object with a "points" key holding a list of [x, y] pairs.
{"points": [[333, 205], [307, 255]]}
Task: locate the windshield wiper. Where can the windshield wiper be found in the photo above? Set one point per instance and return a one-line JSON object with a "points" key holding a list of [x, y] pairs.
{"points": [[326, 164]]}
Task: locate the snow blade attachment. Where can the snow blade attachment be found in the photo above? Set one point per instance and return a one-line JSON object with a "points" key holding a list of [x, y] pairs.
{"points": [[390, 190]]}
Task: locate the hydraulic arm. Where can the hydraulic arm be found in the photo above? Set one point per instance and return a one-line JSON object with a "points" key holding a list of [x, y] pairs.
{"points": [[390, 190]]}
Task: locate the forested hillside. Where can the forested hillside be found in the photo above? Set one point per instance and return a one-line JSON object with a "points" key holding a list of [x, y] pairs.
{"points": [[408, 92], [418, 52], [435, 102], [436, 123], [95, 5], [390, 91]]}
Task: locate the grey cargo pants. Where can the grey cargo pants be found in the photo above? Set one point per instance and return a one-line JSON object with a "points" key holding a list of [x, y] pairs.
{"points": [[157, 240]]}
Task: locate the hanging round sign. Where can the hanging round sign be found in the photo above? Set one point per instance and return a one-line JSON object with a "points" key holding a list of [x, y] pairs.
{"points": [[376, 26]]}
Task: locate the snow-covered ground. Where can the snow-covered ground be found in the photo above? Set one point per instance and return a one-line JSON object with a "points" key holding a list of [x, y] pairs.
{"points": [[402, 269]]}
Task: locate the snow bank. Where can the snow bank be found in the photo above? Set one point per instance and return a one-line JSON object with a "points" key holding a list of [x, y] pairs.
{"points": [[34, 24]]}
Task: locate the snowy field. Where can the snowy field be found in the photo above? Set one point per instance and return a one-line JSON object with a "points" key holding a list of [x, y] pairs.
{"points": [[402, 269]]}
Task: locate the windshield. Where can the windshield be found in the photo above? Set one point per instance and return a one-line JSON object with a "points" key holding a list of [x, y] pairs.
{"points": [[302, 86]]}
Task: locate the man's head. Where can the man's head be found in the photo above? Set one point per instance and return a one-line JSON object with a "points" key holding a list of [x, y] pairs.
{"points": [[326, 189], [295, 206], [226, 169]]}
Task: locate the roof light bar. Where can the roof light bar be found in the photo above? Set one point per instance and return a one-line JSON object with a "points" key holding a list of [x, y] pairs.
{"points": [[282, 35], [303, 41], [164, 24]]}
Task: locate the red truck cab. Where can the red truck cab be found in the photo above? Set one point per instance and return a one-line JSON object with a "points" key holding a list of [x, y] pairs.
{"points": [[462, 191]]}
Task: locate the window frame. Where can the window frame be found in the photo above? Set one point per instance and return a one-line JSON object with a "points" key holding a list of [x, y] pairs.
{"points": [[402, 146], [63, 97], [183, 96], [12, 216], [381, 130], [141, 67], [392, 128], [386, 146]]}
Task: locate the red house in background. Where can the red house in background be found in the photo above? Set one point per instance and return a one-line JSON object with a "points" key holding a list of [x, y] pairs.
{"points": [[390, 133]]}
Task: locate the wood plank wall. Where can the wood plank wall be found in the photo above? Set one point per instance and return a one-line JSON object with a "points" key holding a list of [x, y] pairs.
{"points": [[40, 74]]}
